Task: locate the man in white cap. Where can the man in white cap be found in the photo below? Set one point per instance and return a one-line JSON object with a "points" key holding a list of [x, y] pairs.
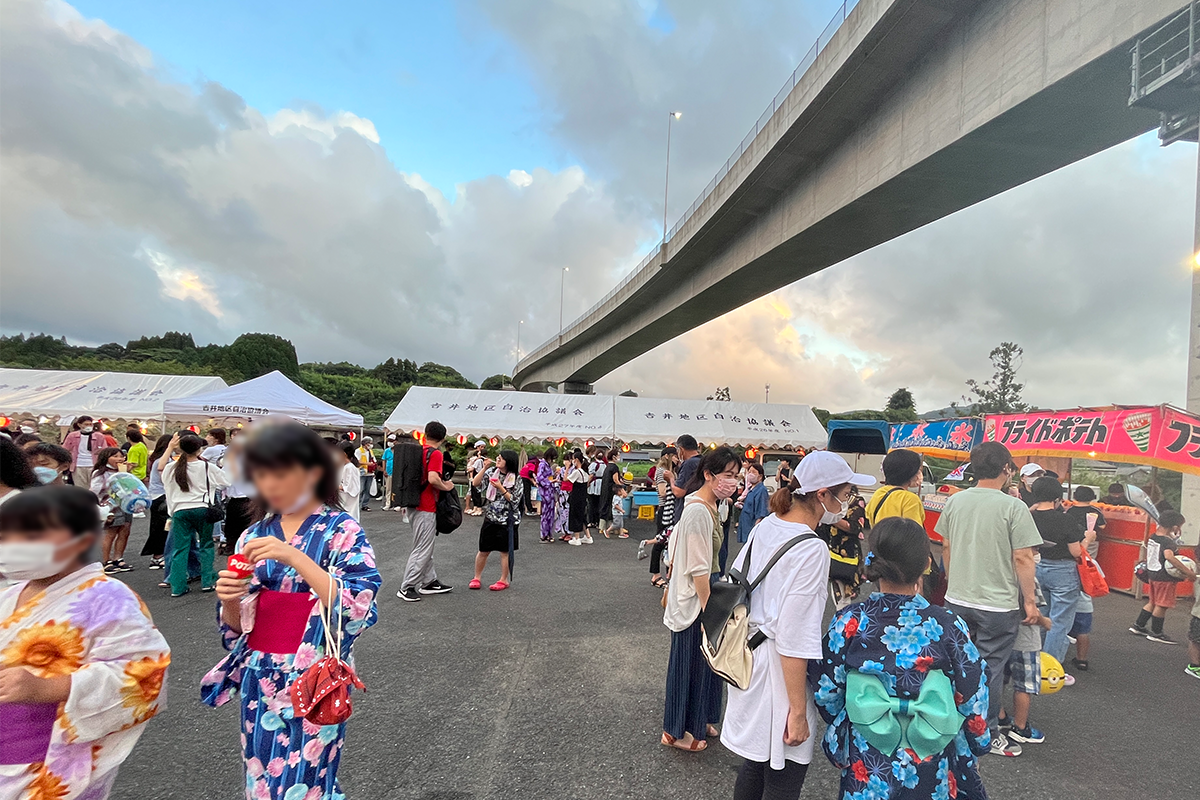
{"points": [[1029, 473], [475, 464]]}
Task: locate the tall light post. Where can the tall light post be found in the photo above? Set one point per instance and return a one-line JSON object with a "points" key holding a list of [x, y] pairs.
{"points": [[768, 397], [562, 293], [671, 117], [520, 322]]}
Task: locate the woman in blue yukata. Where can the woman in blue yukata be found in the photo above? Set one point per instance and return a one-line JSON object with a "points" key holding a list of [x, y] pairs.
{"points": [[302, 549], [902, 685]]}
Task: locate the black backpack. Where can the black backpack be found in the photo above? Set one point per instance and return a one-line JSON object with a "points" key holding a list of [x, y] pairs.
{"points": [[448, 510]]}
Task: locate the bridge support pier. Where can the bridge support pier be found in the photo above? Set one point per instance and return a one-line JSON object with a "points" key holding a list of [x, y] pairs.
{"points": [[1190, 501]]}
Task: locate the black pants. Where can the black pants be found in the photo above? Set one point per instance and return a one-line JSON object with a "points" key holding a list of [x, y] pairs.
{"points": [[527, 497], [238, 517], [757, 781], [593, 510], [157, 539], [656, 557]]}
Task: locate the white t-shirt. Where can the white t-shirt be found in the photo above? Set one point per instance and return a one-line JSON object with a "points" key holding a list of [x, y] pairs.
{"points": [[214, 453], [787, 606], [691, 560], [85, 457], [350, 489], [200, 491]]}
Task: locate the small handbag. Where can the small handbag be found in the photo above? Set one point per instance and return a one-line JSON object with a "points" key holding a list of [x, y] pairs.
{"points": [[322, 693], [214, 508], [1091, 577]]}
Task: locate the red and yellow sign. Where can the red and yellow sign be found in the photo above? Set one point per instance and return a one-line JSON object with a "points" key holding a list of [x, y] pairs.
{"points": [[1160, 436]]}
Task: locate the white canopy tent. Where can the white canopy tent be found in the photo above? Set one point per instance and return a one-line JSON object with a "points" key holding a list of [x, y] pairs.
{"points": [[268, 395], [652, 419], [528, 416], [524, 416], [110, 395]]}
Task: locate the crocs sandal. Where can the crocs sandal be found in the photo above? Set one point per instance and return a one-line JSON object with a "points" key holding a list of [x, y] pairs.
{"points": [[498, 586], [474, 584]]}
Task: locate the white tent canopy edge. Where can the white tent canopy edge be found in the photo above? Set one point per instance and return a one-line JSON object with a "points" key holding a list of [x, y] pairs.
{"points": [[109, 395], [273, 394]]}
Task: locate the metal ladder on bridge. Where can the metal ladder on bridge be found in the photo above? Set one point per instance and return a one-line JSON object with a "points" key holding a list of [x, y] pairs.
{"points": [[1166, 74]]}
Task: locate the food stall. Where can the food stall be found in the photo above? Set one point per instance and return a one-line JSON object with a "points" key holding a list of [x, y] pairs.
{"points": [[940, 438]]}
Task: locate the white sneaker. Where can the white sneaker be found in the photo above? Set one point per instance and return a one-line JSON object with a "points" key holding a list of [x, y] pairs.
{"points": [[1071, 639], [576, 541], [588, 540]]}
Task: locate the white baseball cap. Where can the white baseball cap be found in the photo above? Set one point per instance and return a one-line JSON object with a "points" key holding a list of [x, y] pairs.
{"points": [[822, 469], [481, 443], [1031, 468]]}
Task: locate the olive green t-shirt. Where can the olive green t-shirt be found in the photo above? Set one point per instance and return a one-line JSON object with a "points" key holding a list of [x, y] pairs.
{"points": [[983, 527]]}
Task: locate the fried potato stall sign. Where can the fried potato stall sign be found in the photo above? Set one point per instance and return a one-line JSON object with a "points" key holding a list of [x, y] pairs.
{"points": [[1161, 436]]}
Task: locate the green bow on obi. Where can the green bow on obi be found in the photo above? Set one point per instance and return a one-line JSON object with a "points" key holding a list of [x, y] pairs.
{"points": [[924, 725]]}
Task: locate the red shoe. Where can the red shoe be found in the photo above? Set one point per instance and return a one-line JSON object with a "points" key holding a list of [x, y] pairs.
{"points": [[498, 586], [474, 584]]}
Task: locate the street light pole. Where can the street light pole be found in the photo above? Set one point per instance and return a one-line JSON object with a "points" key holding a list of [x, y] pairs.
{"points": [[768, 397], [520, 322], [562, 293], [671, 117]]}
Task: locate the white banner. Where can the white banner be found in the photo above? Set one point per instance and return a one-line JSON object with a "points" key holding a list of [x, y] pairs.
{"points": [[110, 395], [651, 419]]}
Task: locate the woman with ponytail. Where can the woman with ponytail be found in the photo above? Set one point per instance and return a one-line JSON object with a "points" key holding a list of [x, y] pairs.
{"points": [[770, 723], [902, 686], [191, 483]]}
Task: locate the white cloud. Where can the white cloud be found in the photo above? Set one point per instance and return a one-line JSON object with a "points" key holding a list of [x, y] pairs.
{"points": [[320, 127], [181, 283]]}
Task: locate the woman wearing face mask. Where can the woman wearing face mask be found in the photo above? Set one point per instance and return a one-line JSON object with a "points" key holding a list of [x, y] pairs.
{"points": [[754, 503], [191, 484], [305, 550], [15, 472], [770, 724], [50, 462], [693, 704], [83, 442], [82, 666]]}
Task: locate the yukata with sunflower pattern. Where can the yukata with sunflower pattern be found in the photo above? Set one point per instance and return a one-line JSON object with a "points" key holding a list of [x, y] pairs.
{"points": [[95, 629], [286, 757], [900, 639]]}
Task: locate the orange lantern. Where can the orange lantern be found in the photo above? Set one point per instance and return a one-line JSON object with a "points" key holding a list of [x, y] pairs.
{"points": [[417, 434], [4, 422], [751, 454], [495, 440], [560, 441], [625, 448]]}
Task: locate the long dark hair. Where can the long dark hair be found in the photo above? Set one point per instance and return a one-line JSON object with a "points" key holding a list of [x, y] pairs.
{"points": [[511, 460], [15, 472], [290, 444], [190, 444], [713, 462], [160, 447], [102, 460]]}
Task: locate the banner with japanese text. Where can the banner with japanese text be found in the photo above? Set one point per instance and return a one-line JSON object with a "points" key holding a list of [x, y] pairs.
{"points": [[527, 416], [943, 438], [653, 419], [1159, 436]]}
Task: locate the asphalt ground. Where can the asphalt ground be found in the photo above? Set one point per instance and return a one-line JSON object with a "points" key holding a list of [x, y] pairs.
{"points": [[554, 689]]}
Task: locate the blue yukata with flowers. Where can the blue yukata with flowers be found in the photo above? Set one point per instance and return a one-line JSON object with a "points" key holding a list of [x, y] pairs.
{"points": [[288, 758], [901, 639]]}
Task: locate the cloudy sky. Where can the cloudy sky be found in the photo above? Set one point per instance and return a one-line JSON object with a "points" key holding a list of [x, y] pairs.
{"points": [[407, 179]]}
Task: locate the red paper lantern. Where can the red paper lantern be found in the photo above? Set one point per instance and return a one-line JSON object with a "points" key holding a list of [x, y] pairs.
{"points": [[495, 440], [4, 422], [352, 435], [462, 438], [625, 448], [194, 428], [751, 454], [588, 443], [560, 441]]}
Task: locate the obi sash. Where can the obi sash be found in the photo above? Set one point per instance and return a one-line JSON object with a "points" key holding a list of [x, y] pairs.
{"points": [[25, 733], [925, 724], [280, 621]]}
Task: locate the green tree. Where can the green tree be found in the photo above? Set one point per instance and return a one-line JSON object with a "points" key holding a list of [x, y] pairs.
{"points": [[396, 372], [495, 382], [1001, 394], [255, 354], [431, 374], [901, 406]]}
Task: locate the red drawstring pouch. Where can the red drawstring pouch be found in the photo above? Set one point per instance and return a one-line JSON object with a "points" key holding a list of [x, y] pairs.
{"points": [[322, 693]]}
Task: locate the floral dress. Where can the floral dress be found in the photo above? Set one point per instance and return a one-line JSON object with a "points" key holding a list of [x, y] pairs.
{"points": [[288, 758], [547, 486], [900, 639], [95, 629]]}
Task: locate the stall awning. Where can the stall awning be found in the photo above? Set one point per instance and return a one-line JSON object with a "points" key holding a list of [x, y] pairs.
{"points": [[110, 395], [268, 395], [525, 416], [942, 438], [1161, 436]]}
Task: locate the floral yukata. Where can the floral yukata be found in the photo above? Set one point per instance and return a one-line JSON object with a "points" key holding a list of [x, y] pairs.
{"points": [[901, 639], [548, 487], [95, 629], [289, 758]]}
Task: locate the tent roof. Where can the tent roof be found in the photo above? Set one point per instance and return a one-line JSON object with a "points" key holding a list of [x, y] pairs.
{"points": [[529, 416], [125, 395], [264, 396]]}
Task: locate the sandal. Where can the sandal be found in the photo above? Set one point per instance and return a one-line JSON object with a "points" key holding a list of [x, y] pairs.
{"points": [[475, 583], [712, 731], [622, 535], [498, 586], [658, 582], [694, 746]]}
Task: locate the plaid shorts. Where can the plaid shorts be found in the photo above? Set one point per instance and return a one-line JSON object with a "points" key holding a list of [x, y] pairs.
{"points": [[1024, 670]]}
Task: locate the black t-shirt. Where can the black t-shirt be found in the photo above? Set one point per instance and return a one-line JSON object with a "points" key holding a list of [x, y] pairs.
{"points": [[1156, 562], [1058, 530], [686, 470]]}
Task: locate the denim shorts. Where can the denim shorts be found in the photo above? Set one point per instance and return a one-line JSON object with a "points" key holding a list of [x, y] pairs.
{"points": [[1083, 623], [1024, 670]]}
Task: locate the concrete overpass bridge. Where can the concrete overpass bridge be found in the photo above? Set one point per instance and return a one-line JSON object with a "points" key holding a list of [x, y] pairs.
{"points": [[906, 112]]}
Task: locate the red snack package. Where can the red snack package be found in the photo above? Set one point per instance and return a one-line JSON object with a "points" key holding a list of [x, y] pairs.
{"points": [[240, 565]]}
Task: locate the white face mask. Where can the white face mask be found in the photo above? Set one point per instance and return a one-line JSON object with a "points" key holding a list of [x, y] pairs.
{"points": [[28, 429], [86, 429], [831, 517], [30, 561]]}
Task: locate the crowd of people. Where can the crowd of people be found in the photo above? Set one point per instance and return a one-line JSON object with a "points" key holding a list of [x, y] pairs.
{"points": [[905, 688]]}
